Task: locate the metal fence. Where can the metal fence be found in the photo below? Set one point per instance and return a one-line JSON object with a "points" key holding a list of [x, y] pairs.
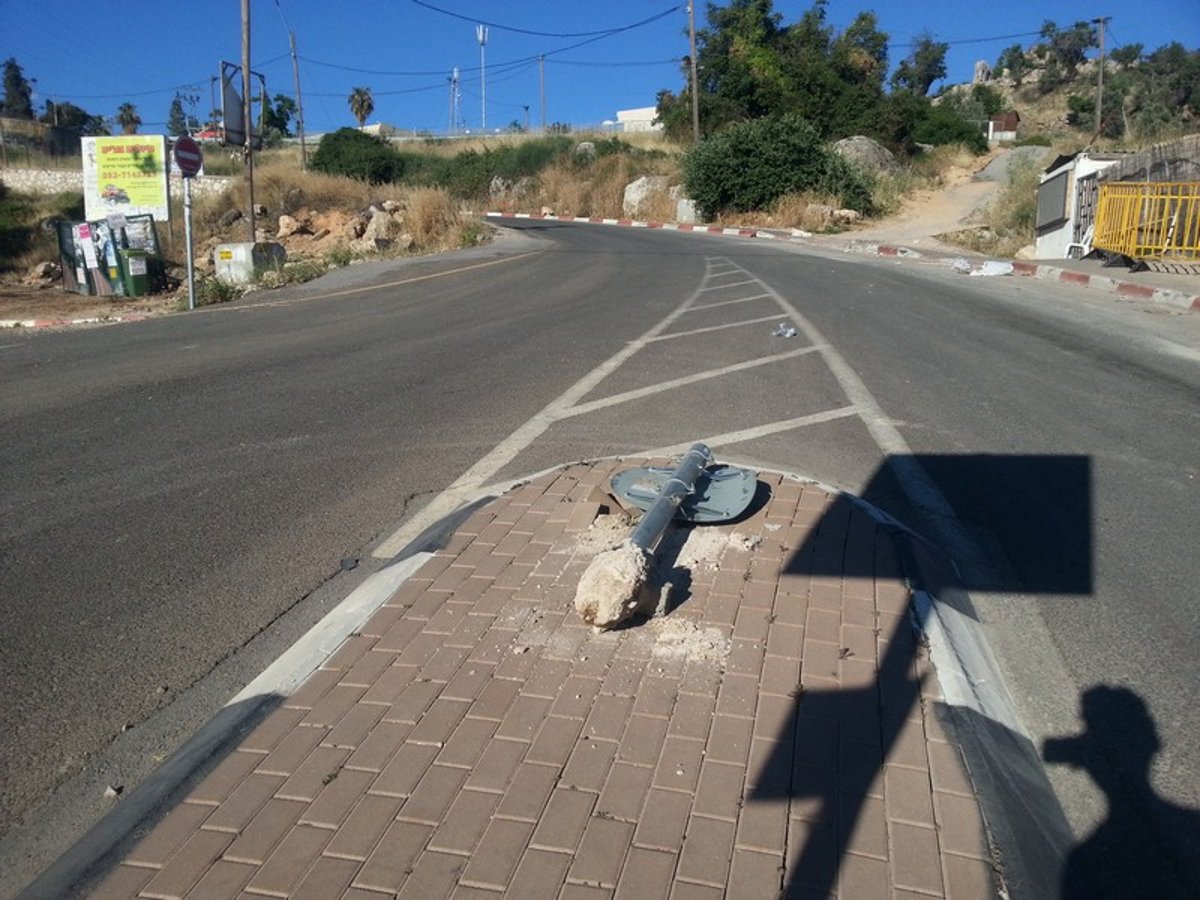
{"points": [[1149, 220]]}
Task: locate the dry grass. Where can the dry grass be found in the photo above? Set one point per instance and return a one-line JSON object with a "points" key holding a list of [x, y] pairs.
{"points": [[431, 216], [789, 211], [599, 190], [1008, 221]]}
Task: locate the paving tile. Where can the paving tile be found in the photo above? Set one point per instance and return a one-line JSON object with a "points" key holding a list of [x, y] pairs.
{"points": [[247, 799], [909, 795], [608, 717], [812, 859], [400, 776], [312, 690], [524, 718], [496, 858], [692, 716], [466, 892], [589, 764], [914, 858], [601, 854], [465, 822], [862, 826], [434, 877], [164, 838], [823, 625], [496, 767], [863, 877], [547, 678], [438, 722], [337, 798], [468, 683], [352, 729], [411, 702], [539, 876], [948, 770], [686, 890], [224, 879], [188, 866], [908, 746], [560, 826], [227, 775], [819, 660], [625, 792], [122, 882], [555, 741], [256, 841], [328, 877], [679, 764], [336, 702], [623, 677], [643, 740], [647, 874], [960, 825], [729, 739], [663, 820], [445, 662], [527, 795], [775, 717], [291, 751], [780, 675], [763, 824], [707, 851], [719, 793], [363, 828], [575, 697], [495, 700], [968, 878], [754, 875], [737, 695], [464, 747], [290, 861], [395, 638], [572, 891], [393, 858], [432, 796], [378, 748], [722, 608], [311, 776]]}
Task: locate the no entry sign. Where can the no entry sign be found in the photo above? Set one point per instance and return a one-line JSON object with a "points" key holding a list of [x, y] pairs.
{"points": [[188, 156]]}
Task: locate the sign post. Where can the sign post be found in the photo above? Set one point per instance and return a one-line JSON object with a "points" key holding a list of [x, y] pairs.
{"points": [[190, 160]]}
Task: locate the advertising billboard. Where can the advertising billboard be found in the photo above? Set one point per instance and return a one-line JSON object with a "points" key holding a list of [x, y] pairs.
{"points": [[125, 174]]}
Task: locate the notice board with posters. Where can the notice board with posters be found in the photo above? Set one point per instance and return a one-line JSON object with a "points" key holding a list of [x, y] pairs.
{"points": [[125, 174]]}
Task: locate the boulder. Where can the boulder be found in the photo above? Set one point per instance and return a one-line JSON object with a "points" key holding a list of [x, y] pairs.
{"points": [[585, 149], [293, 200], [229, 217], [354, 227], [870, 156], [381, 227], [637, 193], [846, 216], [499, 188], [404, 242], [289, 225], [685, 211], [320, 234], [392, 206]]}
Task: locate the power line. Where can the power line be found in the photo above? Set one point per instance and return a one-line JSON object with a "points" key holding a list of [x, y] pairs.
{"points": [[979, 40], [514, 29], [619, 65], [196, 85]]}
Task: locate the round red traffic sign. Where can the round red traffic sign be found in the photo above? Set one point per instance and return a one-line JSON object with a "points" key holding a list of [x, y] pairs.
{"points": [[188, 156]]}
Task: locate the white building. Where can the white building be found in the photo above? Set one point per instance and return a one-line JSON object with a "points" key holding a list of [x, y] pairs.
{"points": [[639, 119], [1066, 204]]}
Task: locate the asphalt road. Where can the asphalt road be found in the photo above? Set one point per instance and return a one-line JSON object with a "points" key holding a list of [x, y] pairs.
{"points": [[172, 488]]}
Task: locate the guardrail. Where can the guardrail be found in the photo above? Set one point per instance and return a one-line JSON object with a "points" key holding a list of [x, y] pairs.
{"points": [[1149, 220]]}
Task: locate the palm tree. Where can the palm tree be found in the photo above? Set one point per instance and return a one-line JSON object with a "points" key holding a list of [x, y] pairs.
{"points": [[361, 104], [128, 118]]}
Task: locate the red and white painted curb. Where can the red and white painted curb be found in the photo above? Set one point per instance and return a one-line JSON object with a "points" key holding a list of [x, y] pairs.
{"points": [[66, 323], [1126, 289], [630, 223]]}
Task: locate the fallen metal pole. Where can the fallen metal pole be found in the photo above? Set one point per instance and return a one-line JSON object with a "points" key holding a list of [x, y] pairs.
{"points": [[677, 489]]}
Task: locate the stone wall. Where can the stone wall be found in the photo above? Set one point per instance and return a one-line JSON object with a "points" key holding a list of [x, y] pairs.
{"points": [[54, 181], [1177, 160]]}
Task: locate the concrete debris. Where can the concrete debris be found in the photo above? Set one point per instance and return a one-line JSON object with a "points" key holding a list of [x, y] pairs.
{"points": [[615, 586]]}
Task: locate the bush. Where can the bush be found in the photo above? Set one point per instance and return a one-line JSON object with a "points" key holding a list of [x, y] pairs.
{"points": [[751, 164], [944, 125], [361, 156]]}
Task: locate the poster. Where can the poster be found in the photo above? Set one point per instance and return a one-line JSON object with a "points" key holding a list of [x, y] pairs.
{"points": [[125, 174]]}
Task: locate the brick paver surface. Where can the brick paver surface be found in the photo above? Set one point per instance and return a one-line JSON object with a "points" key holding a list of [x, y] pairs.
{"points": [[772, 735]]}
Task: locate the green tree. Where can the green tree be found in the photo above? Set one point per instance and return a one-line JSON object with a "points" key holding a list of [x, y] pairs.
{"points": [[1013, 61], [1068, 47], [18, 93], [277, 115], [1127, 54], [73, 118], [128, 118], [920, 69], [361, 104], [176, 120]]}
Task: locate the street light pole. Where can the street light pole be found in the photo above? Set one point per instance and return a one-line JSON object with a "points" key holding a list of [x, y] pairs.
{"points": [[481, 33]]}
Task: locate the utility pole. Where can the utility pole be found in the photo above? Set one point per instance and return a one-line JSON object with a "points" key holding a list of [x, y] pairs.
{"points": [[695, 85], [299, 101], [481, 33], [1102, 21], [249, 146], [542, 88]]}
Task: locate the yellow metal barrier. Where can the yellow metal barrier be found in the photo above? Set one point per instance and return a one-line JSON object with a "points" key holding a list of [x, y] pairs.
{"points": [[1149, 220]]}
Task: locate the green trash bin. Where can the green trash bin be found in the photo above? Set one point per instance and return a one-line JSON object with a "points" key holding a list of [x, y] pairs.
{"points": [[134, 272]]}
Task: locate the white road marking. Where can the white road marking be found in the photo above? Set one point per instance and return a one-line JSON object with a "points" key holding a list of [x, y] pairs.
{"points": [[679, 334], [686, 381], [758, 431], [721, 287], [730, 302]]}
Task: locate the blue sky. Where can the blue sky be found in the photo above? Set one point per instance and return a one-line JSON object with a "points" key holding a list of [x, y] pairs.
{"points": [[99, 56]]}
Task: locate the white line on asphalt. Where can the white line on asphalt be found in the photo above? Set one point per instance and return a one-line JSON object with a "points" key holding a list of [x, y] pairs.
{"points": [[758, 431], [730, 302], [721, 287], [686, 381], [679, 334]]}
